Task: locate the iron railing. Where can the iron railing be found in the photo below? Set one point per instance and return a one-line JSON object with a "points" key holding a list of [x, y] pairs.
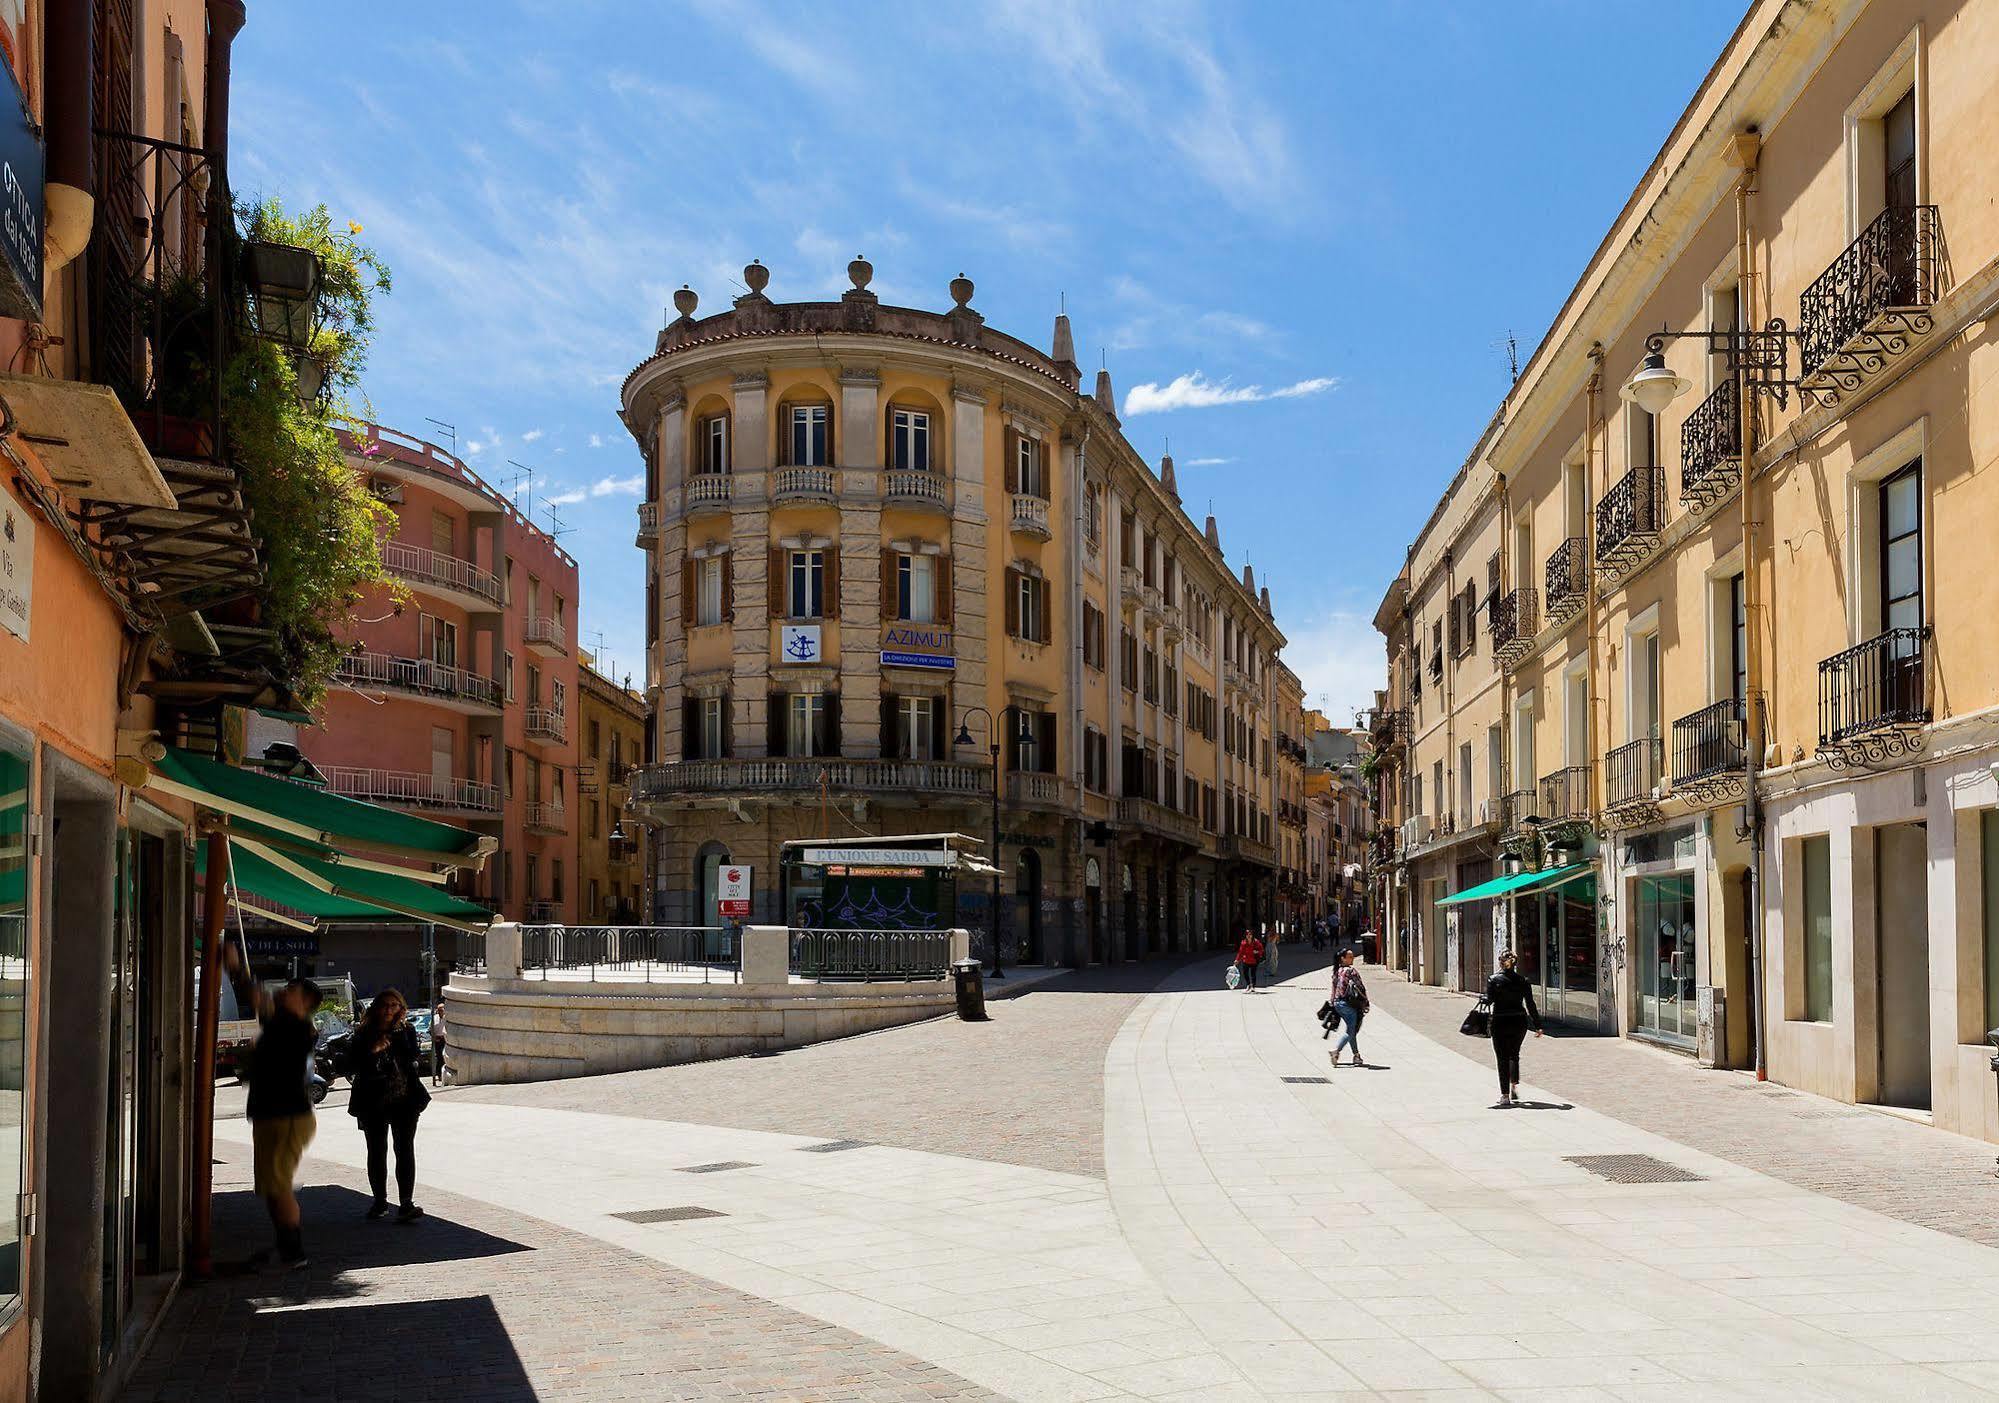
{"points": [[1710, 445], [546, 723], [633, 954], [1894, 266], [1631, 773], [1630, 516], [1514, 619], [425, 566], [1874, 686], [420, 675], [1710, 742], [677, 779], [547, 632], [544, 818], [1567, 578], [870, 954], [412, 787], [1565, 794], [1516, 808]]}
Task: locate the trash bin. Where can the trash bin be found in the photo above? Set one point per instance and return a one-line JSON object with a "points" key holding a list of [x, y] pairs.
{"points": [[970, 981]]}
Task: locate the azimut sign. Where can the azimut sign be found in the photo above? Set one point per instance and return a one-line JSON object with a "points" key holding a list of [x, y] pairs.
{"points": [[917, 645]]}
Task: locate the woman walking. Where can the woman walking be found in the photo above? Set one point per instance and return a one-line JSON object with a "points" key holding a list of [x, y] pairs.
{"points": [[1513, 1013], [1247, 954], [388, 1096], [1349, 1006]]}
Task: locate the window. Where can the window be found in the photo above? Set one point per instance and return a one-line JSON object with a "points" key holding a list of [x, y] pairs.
{"points": [[1464, 783], [590, 819], [1898, 135], [443, 539], [1815, 860], [807, 584], [510, 676], [534, 685], [1495, 768], [1127, 529], [594, 740], [708, 591], [1641, 438], [1151, 675], [1093, 515], [533, 877], [1169, 691], [909, 432], [555, 880], [1026, 606], [1030, 739], [711, 720], [1128, 659], [916, 728], [1902, 548], [1988, 834], [714, 438], [1030, 468], [916, 588], [438, 639], [1738, 641], [808, 436], [1093, 636], [508, 789], [1096, 760], [1643, 721], [806, 727], [559, 697]]}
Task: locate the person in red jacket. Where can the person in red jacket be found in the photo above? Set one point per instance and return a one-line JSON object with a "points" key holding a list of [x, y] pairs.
{"points": [[1247, 956]]}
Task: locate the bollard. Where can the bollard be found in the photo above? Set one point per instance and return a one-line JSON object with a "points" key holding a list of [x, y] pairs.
{"points": [[970, 982]]}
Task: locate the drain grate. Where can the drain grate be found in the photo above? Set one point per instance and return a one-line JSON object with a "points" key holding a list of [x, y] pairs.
{"points": [[1764, 1089], [832, 1146], [1310, 1081], [1635, 1169], [717, 1167], [669, 1215]]}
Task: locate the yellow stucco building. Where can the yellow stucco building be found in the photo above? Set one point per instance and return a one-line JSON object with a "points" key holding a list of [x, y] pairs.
{"points": [[883, 543], [1731, 752]]}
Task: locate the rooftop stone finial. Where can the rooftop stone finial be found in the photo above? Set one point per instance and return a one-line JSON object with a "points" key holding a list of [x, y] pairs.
{"points": [[1248, 578], [1064, 351], [1266, 599], [756, 277], [685, 300], [1213, 532], [1106, 398], [1166, 477], [961, 290], [860, 272]]}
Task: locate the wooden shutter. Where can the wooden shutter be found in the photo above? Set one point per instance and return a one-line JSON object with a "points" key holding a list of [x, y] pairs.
{"points": [[829, 721], [940, 735], [1010, 723], [774, 736], [687, 577], [890, 750], [690, 727], [1045, 735], [890, 562], [1012, 451], [1012, 602], [729, 587], [1042, 593], [779, 606], [1047, 470], [829, 606], [728, 729], [941, 576]]}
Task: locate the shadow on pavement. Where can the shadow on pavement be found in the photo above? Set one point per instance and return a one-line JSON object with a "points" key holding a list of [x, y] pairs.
{"points": [[338, 1240]]}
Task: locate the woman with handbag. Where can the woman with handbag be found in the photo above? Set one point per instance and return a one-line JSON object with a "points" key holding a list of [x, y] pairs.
{"points": [[1513, 1013], [387, 1098], [1349, 1005]]}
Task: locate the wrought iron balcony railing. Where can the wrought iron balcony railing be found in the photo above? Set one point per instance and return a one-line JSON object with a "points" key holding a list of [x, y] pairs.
{"points": [[1711, 447], [743, 778], [1516, 808], [1567, 580], [547, 633], [423, 566], [412, 787], [1709, 743], [418, 675], [1872, 303], [1514, 619], [1631, 773], [1630, 517], [546, 723], [1874, 697], [1565, 795]]}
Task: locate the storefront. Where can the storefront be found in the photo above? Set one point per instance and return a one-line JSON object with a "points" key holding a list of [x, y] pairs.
{"points": [[1550, 925], [1657, 874]]}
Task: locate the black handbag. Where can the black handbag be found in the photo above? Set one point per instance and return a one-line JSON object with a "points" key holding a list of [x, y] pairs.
{"points": [[1325, 1010], [1478, 1023]]}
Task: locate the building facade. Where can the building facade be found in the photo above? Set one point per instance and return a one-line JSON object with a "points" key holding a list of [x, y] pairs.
{"points": [[1745, 761], [894, 555], [611, 848]]}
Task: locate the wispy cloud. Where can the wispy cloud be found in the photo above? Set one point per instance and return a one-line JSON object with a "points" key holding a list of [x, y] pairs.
{"points": [[567, 499], [618, 486], [1195, 391], [596, 440], [1152, 320], [531, 435], [1338, 657], [1208, 462]]}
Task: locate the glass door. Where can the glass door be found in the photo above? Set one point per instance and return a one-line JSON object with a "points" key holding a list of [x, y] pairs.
{"points": [[1664, 946]]}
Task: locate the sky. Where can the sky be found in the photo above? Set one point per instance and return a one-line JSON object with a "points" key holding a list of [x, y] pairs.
{"points": [[1299, 236]]}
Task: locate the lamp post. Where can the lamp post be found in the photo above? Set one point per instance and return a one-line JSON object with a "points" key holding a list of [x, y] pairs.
{"points": [[964, 737]]}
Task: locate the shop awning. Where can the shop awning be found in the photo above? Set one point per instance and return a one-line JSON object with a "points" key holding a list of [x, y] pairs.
{"points": [[1517, 884], [330, 894], [313, 816]]}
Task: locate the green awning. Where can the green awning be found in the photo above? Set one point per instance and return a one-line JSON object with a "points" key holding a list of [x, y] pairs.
{"points": [[314, 816], [330, 894], [1517, 884]]}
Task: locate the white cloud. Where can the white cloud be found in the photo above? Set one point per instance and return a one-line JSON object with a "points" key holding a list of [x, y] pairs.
{"points": [[618, 486], [1339, 658], [1208, 462], [1195, 391], [531, 435], [596, 440], [566, 499]]}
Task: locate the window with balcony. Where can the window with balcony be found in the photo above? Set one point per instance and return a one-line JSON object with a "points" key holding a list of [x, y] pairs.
{"points": [[909, 440], [918, 728], [810, 435], [806, 584], [1128, 659], [1026, 606], [916, 588], [712, 436], [1031, 741], [510, 676], [806, 724], [1169, 691], [1027, 470], [1151, 675], [708, 591], [705, 728], [438, 638]]}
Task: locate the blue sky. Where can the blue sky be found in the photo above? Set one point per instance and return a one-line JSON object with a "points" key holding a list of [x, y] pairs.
{"points": [[1298, 235]]}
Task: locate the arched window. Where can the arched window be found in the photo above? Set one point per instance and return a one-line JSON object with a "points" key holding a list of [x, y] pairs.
{"points": [[713, 432], [913, 435]]}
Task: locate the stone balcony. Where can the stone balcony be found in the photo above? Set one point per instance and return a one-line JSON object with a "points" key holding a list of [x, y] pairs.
{"points": [[730, 781], [708, 493], [913, 488], [804, 485], [1030, 516], [1159, 820]]}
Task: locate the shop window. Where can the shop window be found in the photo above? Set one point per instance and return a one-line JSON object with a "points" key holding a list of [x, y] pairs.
{"points": [[1815, 874]]}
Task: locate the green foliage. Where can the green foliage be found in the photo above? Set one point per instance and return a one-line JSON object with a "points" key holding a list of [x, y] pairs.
{"points": [[319, 525]]}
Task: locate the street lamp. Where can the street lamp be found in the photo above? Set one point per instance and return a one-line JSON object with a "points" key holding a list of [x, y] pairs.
{"points": [[964, 737], [1652, 386]]}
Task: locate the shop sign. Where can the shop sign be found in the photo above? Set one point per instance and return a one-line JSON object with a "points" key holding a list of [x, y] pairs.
{"points": [[879, 857], [917, 645], [733, 896], [17, 565], [21, 156], [283, 947], [799, 643]]}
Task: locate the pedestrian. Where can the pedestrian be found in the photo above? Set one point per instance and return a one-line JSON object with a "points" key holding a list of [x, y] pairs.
{"points": [[279, 1109], [437, 1044], [1269, 961], [1247, 955], [1513, 1013], [1349, 1006], [387, 1098]]}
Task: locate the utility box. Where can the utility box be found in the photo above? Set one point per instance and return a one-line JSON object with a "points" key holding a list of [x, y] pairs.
{"points": [[969, 983], [1711, 1026]]}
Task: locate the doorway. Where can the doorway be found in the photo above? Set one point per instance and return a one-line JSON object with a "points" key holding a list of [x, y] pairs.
{"points": [[1027, 907], [1093, 908], [709, 910], [1663, 946], [1902, 957]]}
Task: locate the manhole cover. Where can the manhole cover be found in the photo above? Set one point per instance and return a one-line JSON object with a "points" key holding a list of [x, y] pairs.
{"points": [[831, 1146], [1634, 1169], [1310, 1081], [717, 1167], [668, 1215]]}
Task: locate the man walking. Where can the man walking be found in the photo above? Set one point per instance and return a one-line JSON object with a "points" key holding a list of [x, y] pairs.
{"points": [[279, 1110]]}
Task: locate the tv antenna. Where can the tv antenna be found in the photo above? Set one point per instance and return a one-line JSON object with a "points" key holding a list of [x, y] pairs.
{"points": [[1511, 344], [450, 431], [523, 473], [555, 527]]}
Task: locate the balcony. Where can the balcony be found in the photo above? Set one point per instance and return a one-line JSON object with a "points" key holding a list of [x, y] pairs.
{"points": [[1567, 580], [546, 724], [648, 524], [1516, 808], [1514, 619], [1149, 816], [1565, 796], [623, 854], [1632, 779], [459, 582], [1391, 728], [452, 687], [1240, 847], [707, 493], [1028, 790], [735, 780], [1030, 516], [1708, 755], [545, 818], [547, 637], [413, 789], [909, 487], [542, 912], [1711, 448], [1874, 699], [1630, 518], [1872, 304], [804, 485]]}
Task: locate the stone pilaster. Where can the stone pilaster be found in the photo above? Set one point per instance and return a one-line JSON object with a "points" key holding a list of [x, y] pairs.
{"points": [[860, 417], [973, 620], [860, 614]]}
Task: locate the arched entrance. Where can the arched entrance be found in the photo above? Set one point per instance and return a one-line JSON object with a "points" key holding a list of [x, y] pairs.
{"points": [[1093, 908], [1027, 907]]}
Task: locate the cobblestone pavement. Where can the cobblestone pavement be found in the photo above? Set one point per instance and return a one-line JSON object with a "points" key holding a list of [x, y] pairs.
{"points": [[1874, 1160], [1025, 1087], [477, 1304]]}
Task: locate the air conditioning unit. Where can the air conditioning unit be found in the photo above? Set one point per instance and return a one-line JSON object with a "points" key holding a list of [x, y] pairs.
{"points": [[386, 490], [1416, 831]]}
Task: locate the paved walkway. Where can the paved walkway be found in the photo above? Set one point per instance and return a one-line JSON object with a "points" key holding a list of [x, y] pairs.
{"points": [[1378, 1233]]}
